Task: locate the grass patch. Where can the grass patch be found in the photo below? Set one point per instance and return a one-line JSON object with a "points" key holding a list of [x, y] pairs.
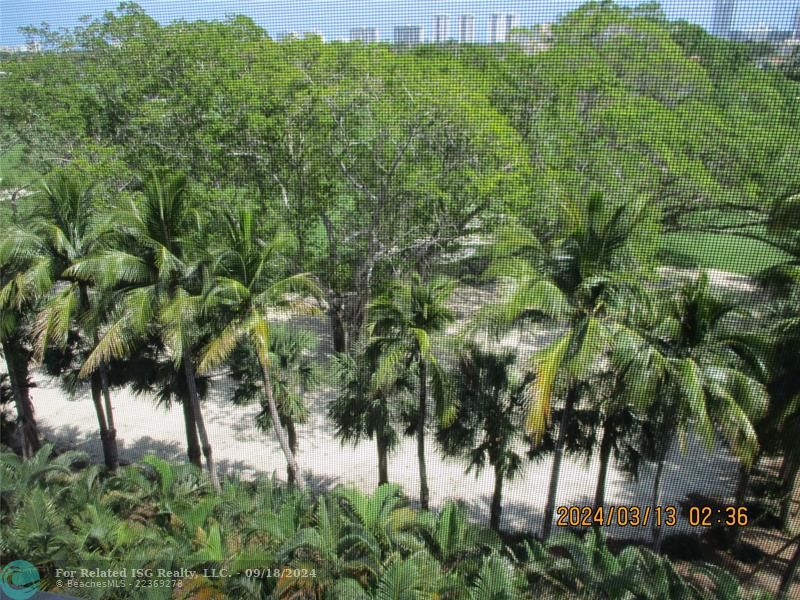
{"points": [[719, 251]]}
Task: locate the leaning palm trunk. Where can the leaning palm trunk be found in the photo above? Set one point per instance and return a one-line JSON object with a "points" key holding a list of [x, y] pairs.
{"points": [[105, 414], [188, 369], [18, 377], [421, 418], [558, 455], [291, 434], [291, 461], [656, 500]]}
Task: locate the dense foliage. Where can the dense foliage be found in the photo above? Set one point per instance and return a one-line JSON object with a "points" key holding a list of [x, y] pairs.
{"points": [[271, 541]]}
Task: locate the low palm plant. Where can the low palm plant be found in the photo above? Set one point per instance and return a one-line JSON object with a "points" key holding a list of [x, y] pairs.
{"points": [[385, 515], [455, 542], [334, 547]]}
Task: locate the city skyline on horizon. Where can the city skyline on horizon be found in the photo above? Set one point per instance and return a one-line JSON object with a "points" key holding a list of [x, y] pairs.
{"points": [[335, 21]]}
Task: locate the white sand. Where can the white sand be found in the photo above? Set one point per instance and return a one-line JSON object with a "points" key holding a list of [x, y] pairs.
{"points": [[241, 449]]}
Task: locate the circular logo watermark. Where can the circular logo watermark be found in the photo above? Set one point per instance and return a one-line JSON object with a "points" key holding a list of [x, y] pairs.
{"points": [[19, 580]]}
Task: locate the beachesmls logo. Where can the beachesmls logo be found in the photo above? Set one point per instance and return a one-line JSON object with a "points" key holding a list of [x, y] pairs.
{"points": [[19, 580]]}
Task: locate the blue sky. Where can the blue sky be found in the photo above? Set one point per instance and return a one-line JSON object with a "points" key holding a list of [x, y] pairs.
{"points": [[334, 18]]}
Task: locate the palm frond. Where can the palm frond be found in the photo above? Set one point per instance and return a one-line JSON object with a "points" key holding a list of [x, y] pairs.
{"points": [[545, 365]]}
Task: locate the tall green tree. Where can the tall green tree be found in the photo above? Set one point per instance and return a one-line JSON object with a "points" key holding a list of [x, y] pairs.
{"points": [[486, 425], [365, 408], [697, 367], [294, 375], [403, 322], [156, 271], [63, 217], [585, 278], [246, 285]]}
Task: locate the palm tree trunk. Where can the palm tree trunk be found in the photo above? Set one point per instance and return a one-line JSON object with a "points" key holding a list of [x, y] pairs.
{"points": [[112, 456], [383, 457], [101, 417], [340, 341], [99, 384], [291, 433], [555, 472], [656, 500], [605, 458], [188, 369], [192, 441], [496, 508], [789, 573], [791, 470], [421, 418], [740, 497], [17, 363], [283, 439], [743, 481]]}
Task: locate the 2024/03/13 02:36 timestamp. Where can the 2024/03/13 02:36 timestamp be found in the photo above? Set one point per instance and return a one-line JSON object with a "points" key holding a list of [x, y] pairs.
{"points": [[642, 516]]}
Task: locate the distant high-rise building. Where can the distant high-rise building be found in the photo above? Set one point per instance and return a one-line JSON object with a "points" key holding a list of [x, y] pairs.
{"points": [[497, 28], [368, 35], [466, 29], [500, 26], [724, 12], [441, 28], [512, 23], [408, 35], [796, 28]]}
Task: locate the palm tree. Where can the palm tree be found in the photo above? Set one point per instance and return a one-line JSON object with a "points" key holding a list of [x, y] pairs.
{"points": [[385, 515], [245, 286], [151, 372], [364, 409], [401, 323], [615, 418], [586, 279], [293, 375], [495, 580], [62, 219], [697, 367], [456, 542], [157, 274], [25, 276], [485, 426], [781, 428]]}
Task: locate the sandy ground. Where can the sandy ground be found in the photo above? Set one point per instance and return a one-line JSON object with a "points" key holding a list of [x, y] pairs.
{"points": [[242, 450]]}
